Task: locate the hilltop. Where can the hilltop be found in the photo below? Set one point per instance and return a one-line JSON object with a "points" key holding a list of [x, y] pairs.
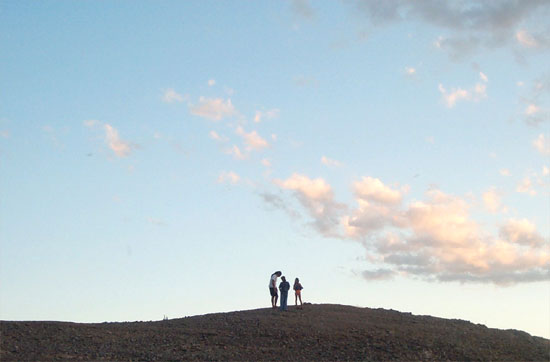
{"points": [[316, 332]]}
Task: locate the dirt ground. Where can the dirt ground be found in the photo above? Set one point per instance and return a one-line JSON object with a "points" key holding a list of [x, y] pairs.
{"points": [[315, 333]]}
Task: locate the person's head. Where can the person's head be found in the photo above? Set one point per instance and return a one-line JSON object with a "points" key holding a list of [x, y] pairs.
{"points": [[278, 273], [296, 280], [283, 279]]}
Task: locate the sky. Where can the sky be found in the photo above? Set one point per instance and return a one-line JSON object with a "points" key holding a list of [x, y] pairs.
{"points": [[163, 158]]}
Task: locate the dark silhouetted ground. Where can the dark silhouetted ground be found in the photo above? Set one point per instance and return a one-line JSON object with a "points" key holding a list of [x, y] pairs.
{"points": [[315, 333]]}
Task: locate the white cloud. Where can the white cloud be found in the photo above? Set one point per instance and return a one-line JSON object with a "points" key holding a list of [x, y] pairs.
{"points": [[475, 94], [91, 123], [492, 200], [213, 109], [330, 162], [532, 109], [252, 140], [525, 186], [410, 71], [483, 77], [269, 114], [526, 39], [545, 171], [542, 144], [228, 177], [211, 82], [171, 96], [236, 152], [116, 144], [504, 172], [266, 162]]}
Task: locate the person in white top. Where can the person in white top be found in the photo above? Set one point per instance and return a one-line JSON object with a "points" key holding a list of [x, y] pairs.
{"points": [[273, 288]]}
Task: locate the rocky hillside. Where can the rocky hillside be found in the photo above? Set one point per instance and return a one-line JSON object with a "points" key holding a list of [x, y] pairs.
{"points": [[316, 332]]}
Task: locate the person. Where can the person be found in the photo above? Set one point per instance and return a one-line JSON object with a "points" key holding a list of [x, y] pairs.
{"points": [[297, 292], [284, 287], [273, 288]]}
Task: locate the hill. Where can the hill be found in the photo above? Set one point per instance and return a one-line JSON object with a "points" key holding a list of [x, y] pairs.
{"points": [[316, 332]]}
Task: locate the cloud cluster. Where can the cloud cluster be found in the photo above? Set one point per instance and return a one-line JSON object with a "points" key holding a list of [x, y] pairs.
{"points": [[214, 109], [476, 93], [470, 25], [433, 239]]}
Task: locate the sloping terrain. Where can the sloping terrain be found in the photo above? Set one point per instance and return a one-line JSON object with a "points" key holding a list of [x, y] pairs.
{"points": [[316, 332]]}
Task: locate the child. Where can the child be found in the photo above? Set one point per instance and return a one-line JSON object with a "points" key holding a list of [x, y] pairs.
{"points": [[298, 292], [284, 287]]}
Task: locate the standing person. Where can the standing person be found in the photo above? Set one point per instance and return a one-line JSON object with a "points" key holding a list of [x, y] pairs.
{"points": [[284, 287], [273, 288], [297, 292]]}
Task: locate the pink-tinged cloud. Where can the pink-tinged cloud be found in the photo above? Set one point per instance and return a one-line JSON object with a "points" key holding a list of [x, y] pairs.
{"points": [[475, 94], [330, 162], [542, 144], [521, 231], [236, 152], [526, 39], [526, 187], [491, 200], [118, 146], [213, 109], [373, 189], [316, 196], [434, 239], [252, 140]]}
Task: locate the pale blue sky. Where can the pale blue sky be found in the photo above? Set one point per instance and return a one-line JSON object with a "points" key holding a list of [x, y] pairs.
{"points": [[165, 157]]}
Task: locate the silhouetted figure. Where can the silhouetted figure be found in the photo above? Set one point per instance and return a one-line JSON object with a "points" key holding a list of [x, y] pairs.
{"points": [[273, 288], [284, 287], [297, 292]]}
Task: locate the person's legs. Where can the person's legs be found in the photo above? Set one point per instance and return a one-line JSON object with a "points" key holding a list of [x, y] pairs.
{"points": [[300, 296], [295, 299]]}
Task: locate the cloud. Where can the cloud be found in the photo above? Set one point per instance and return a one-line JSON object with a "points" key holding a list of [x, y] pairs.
{"points": [[303, 8], [491, 200], [155, 222], [211, 82], [215, 136], [379, 274], [236, 152], [266, 162], [526, 39], [269, 114], [475, 94], [470, 26], [531, 109], [542, 144], [171, 96], [116, 144], [525, 186], [252, 140], [483, 77], [330, 162], [504, 172], [228, 177], [120, 147], [372, 189], [316, 196], [521, 231], [213, 109], [410, 71]]}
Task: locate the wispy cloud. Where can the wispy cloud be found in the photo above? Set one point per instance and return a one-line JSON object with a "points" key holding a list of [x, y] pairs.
{"points": [[171, 96], [492, 200], [330, 162], [120, 147], [542, 145], [526, 186], [263, 115], [213, 108], [229, 177]]}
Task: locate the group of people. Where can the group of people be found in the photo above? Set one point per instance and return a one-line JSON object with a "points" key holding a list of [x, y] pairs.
{"points": [[284, 287]]}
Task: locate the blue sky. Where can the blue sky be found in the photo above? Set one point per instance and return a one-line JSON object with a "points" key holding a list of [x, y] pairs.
{"points": [[165, 157]]}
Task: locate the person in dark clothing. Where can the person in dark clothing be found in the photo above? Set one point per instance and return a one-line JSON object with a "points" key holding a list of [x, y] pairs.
{"points": [[284, 287]]}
